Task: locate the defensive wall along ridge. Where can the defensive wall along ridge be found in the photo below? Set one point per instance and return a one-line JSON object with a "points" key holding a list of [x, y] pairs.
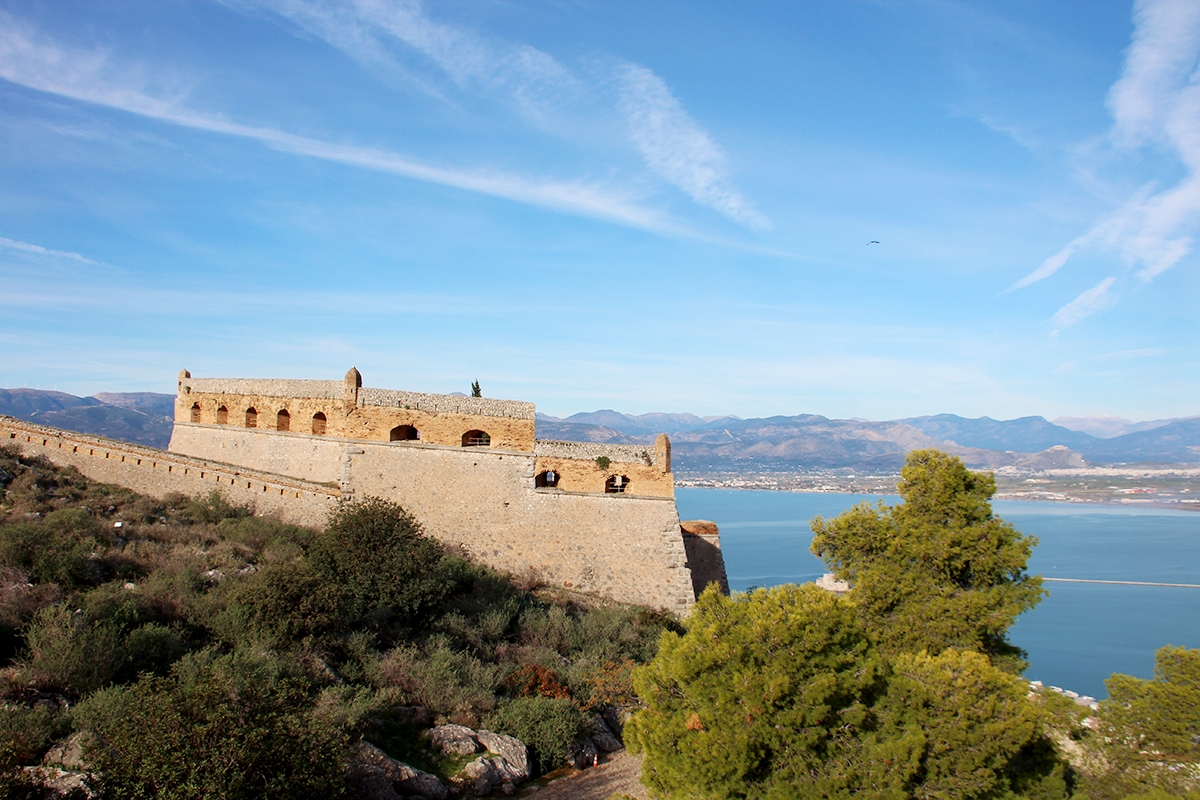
{"points": [[588, 517]]}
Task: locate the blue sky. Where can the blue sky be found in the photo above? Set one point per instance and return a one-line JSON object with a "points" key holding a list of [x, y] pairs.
{"points": [[659, 206]]}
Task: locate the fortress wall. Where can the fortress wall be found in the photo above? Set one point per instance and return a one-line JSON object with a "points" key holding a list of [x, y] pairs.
{"points": [[355, 422], [586, 476], [625, 546], [702, 541], [157, 472], [307, 457]]}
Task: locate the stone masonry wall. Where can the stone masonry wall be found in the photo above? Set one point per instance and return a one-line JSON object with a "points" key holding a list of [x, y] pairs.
{"points": [[157, 472], [627, 547], [586, 476]]}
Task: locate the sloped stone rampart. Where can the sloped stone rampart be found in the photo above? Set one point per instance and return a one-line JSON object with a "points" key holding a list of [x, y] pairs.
{"points": [[158, 472]]}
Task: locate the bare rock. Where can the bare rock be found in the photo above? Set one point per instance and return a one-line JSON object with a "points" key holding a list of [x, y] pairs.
{"points": [[513, 756], [60, 783], [602, 736], [457, 740], [372, 783], [68, 753], [405, 779]]}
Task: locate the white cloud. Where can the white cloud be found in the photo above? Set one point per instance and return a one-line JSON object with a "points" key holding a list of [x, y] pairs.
{"points": [[1155, 104], [44, 251], [1094, 299], [541, 89], [89, 76], [676, 147]]}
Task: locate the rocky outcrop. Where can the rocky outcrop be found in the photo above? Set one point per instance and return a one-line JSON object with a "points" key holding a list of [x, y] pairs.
{"points": [[378, 776], [505, 766]]}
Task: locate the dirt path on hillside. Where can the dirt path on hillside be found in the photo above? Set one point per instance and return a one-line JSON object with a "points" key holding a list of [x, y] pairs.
{"points": [[618, 775]]}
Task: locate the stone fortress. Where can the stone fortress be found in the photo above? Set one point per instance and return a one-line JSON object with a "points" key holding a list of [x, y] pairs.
{"points": [[587, 517]]}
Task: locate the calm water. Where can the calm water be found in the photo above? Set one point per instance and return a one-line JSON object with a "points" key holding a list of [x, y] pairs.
{"points": [[1076, 637]]}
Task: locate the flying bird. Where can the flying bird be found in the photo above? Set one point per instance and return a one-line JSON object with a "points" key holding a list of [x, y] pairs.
{"points": [[873, 241]]}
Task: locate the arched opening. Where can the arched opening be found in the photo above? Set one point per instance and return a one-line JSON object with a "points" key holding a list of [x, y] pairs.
{"points": [[616, 484], [251, 418], [546, 480], [476, 439], [222, 416], [404, 433], [283, 420], [195, 412], [319, 424]]}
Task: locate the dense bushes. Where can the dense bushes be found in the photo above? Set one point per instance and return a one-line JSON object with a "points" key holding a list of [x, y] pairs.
{"points": [[228, 726], [547, 726], [197, 640]]}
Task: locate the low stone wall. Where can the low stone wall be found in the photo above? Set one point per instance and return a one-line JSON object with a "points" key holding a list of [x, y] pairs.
{"points": [[157, 473]]}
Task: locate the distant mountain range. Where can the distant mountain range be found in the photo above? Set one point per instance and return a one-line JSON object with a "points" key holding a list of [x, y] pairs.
{"points": [[723, 443], [141, 417], [808, 441]]}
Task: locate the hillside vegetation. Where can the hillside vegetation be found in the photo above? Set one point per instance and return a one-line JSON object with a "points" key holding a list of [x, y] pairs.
{"points": [[199, 651]]}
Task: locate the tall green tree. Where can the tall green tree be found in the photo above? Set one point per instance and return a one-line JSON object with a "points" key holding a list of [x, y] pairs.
{"points": [[939, 569], [1149, 737], [781, 694]]}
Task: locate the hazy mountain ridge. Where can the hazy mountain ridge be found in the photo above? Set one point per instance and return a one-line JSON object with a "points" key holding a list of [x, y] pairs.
{"points": [[141, 417], [812, 441], [802, 441]]}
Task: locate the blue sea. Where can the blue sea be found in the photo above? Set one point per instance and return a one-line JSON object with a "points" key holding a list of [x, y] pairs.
{"points": [[1076, 637]]}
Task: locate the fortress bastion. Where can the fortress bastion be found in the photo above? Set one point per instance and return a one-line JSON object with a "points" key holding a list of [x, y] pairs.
{"points": [[588, 517]]}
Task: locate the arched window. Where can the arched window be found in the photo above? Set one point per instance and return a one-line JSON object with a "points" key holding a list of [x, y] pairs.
{"points": [[546, 480], [251, 418], [404, 433], [616, 484], [319, 424], [476, 439], [283, 420], [222, 416], [195, 412]]}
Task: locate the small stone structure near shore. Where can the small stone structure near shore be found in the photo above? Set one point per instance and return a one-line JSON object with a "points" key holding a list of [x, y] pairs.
{"points": [[587, 517]]}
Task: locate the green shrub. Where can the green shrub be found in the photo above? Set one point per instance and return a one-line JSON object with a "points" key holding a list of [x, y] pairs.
{"points": [[452, 684], [213, 509], [46, 555], [153, 648], [546, 725], [219, 726], [282, 603], [385, 567], [67, 652], [27, 732]]}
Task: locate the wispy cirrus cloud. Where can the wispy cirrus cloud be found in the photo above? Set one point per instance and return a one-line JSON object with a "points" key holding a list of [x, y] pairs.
{"points": [[1094, 299], [400, 39], [1154, 104], [37, 249]]}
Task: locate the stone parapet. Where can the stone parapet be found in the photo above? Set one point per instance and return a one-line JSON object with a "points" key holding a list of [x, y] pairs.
{"points": [[263, 387], [590, 451], [446, 403]]}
